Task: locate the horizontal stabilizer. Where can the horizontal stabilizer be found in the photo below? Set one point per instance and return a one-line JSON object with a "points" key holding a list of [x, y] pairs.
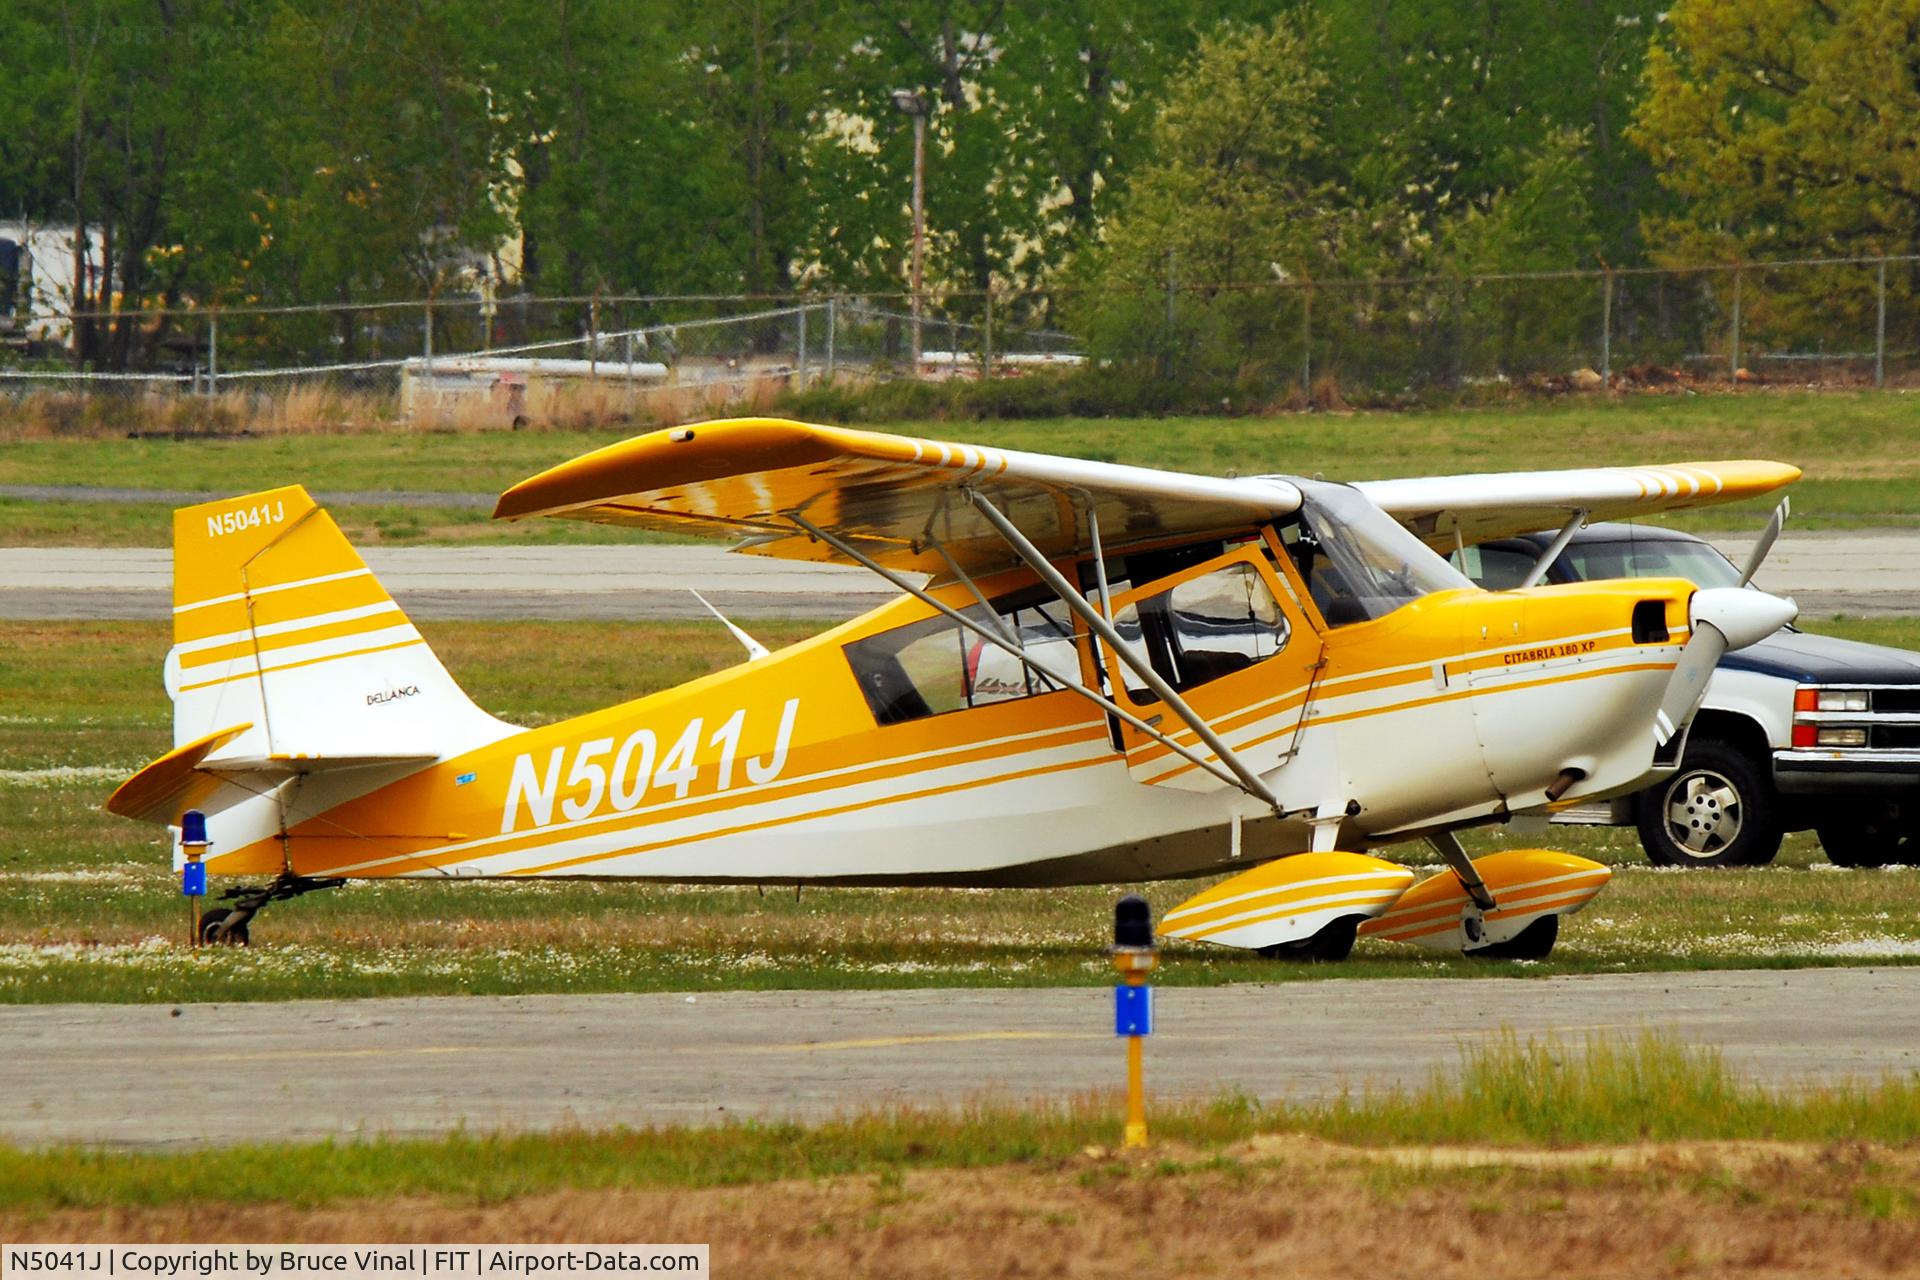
{"points": [[174, 783]]}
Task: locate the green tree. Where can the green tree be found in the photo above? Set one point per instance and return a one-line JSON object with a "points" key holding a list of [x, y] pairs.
{"points": [[1542, 223], [1450, 101], [1786, 129], [1239, 192], [117, 119]]}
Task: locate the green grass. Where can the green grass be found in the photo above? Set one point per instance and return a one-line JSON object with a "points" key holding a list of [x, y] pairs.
{"points": [[1861, 452], [1507, 1094], [89, 910]]}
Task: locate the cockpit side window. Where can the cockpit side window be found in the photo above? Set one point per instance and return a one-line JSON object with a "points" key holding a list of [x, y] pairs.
{"points": [[934, 666]]}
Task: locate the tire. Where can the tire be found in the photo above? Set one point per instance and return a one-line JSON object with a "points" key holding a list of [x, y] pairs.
{"points": [[237, 937], [1717, 810], [1331, 945], [1535, 942], [1874, 835]]}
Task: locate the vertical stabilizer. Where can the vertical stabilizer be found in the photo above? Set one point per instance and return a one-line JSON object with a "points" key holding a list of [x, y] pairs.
{"points": [[278, 624]]}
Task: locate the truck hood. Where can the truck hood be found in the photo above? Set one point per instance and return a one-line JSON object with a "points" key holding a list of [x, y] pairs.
{"points": [[1810, 659]]}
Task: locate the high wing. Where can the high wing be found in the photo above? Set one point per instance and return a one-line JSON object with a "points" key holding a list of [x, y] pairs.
{"points": [[1481, 507], [898, 500]]}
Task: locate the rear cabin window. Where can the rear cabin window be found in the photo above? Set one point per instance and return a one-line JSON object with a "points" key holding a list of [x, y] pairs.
{"points": [[1202, 629], [934, 666]]}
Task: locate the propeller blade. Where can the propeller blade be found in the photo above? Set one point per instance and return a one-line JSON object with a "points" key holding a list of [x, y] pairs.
{"points": [[1723, 618], [1758, 555]]}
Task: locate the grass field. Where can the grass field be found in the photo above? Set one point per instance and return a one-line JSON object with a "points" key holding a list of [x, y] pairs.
{"points": [[1860, 450], [1622, 1158], [89, 910]]}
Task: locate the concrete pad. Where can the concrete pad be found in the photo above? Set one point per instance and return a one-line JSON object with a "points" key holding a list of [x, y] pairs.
{"points": [[1855, 573], [140, 1075]]}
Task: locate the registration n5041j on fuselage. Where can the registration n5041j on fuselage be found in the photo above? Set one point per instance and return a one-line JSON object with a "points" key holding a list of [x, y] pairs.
{"points": [[1093, 673]]}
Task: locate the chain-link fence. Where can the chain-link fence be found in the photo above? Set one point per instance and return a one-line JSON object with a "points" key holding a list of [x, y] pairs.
{"points": [[478, 362]]}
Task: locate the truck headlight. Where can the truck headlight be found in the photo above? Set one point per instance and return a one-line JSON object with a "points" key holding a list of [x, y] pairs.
{"points": [[1841, 700], [1841, 738]]}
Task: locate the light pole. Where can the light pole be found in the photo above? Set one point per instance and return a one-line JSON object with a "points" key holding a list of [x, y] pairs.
{"points": [[915, 105]]}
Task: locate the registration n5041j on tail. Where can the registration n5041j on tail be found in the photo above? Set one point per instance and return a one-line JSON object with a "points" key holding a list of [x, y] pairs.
{"points": [[1093, 673]]}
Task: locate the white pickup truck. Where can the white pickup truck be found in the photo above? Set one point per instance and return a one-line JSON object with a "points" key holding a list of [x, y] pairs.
{"points": [[1798, 731]]}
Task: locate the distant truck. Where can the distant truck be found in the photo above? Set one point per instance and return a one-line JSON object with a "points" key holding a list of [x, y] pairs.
{"points": [[1798, 731]]}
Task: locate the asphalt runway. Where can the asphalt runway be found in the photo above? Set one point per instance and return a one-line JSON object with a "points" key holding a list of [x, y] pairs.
{"points": [[1862, 573], [142, 1076], [480, 582]]}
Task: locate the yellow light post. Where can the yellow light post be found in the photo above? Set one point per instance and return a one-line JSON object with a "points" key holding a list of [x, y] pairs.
{"points": [[1134, 958]]}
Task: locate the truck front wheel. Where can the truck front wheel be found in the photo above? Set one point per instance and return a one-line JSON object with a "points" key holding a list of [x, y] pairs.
{"points": [[1717, 810], [1874, 835]]}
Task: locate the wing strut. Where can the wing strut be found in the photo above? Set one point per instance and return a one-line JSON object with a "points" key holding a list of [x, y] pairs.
{"points": [[1014, 651], [1554, 548], [1243, 775]]}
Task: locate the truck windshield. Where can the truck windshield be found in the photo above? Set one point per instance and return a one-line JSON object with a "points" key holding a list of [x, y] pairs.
{"points": [[1358, 560], [1697, 562]]}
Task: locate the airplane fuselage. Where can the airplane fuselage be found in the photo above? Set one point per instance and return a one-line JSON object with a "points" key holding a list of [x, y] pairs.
{"points": [[1454, 709]]}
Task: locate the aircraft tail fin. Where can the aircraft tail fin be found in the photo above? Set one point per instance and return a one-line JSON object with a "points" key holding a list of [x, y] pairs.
{"points": [[279, 625]]}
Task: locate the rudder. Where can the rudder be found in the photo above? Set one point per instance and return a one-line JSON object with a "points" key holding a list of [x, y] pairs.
{"points": [[279, 624]]}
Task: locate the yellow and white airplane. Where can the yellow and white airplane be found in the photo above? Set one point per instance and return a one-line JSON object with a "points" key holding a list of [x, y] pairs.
{"points": [[1094, 673]]}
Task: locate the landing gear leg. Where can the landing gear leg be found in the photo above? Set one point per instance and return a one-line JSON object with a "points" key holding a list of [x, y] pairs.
{"points": [[227, 926], [1447, 845]]}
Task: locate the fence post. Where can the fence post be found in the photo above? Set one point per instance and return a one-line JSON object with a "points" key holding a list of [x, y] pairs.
{"points": [[1166, 354], [833, 325], [213, 352], [1606, 328], [429, 332], [1880, 328], [986, 340], [1306, 342], [629, 395], [800, 374], [1733, 374], [593, 335]]}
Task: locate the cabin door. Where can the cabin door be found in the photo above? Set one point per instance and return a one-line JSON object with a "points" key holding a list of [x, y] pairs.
{"points": [[1233, 644]]}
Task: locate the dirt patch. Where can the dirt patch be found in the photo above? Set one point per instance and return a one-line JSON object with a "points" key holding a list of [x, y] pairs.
{"points": [[1282, 1206]]}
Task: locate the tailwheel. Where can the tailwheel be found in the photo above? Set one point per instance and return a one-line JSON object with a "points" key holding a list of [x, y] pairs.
{"points": [[228, 925], [1535, 942], [216, 931], [1333, 943]]}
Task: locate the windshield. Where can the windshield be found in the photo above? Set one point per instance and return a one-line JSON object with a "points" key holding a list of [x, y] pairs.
{"points": [[1697, 562], [1358, 560]]}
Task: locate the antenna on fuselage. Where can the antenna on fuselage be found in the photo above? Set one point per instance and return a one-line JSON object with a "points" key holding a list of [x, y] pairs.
{"points": [[754, 648]]}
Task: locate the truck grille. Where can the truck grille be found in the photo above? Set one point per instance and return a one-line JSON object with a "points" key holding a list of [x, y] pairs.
{"points": [[1890, 722], [1896, 698]]}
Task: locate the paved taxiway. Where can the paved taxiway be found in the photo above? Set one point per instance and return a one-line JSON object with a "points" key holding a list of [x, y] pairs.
{"points": [[1868, 572], [140, 1075]]}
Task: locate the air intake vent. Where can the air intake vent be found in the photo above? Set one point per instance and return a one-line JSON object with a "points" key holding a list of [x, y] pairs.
{"points": [[1650, 622]]}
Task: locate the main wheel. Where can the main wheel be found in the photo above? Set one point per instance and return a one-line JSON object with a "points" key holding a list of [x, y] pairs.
{"points": [[1717, 810], [1873, 835], [209, 930], [1333, 943], [1535, 942]]}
